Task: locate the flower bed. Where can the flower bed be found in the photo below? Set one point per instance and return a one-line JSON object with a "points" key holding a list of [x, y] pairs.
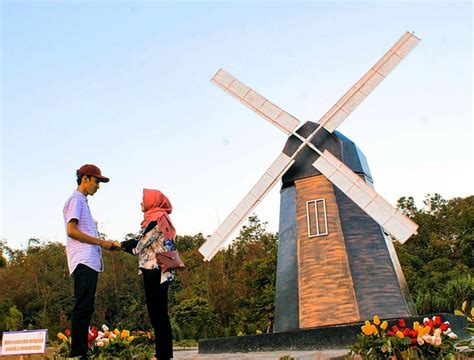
{"points": [[106, 344], [433, 339]]}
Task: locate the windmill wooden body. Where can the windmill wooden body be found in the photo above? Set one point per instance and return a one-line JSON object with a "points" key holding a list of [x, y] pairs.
{"points": [[335, 263]]}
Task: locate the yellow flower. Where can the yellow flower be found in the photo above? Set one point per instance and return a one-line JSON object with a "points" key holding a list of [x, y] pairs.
{"points": [[130, 338], [125, 334], [116, 331], [384, 325], [416, 325], [376, 320], [62, 336], [258, 332], [423, 330], [369, 329], [400, 334]]}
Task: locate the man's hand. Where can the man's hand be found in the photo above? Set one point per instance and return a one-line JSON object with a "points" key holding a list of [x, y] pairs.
{"points": [[111, 245]]}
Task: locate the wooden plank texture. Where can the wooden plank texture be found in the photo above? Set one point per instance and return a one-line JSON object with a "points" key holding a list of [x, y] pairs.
{"points": [[325, 284]]}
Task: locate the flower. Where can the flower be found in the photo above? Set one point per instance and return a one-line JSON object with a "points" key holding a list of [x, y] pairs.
{"points": [[384, 325], [376, 320], [423, 330], [67, 332], [400, 334], [62, 336], [125, 334], [93, 333], [105, 328], [428, 322], [401, 323], [437, 319], [416, 325], [369, 329], [452, 336], [444, 326]]}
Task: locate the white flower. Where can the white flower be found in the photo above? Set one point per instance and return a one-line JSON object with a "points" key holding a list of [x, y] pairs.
{"points": [[452, 336], [420, 341], [425, 319], [105, 328], [100, 334], [428, 339], [447, 331], [100, 343]]}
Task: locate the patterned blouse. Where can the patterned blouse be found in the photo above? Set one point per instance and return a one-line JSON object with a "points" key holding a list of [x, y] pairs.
{"points": [[150, 243]]}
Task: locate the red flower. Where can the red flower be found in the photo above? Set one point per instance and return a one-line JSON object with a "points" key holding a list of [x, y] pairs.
{"points": [[413, 341], [390, 333], [395, 328], [413, 334], [444, 327], [406, 332], [401, 323], [93, 333], [437, 320], [67, 332]]}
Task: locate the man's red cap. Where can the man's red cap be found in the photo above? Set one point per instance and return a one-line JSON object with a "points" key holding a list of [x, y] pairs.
{"points": [[92, 170]]}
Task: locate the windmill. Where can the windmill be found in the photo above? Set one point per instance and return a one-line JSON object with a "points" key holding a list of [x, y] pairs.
{"points": [[336, 263]]}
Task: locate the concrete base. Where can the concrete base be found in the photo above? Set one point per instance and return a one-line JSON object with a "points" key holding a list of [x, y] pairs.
{"points": [[327, 337]]}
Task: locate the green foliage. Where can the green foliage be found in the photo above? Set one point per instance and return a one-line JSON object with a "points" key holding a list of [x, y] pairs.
{"points": [[438, 262], [14, 320]]}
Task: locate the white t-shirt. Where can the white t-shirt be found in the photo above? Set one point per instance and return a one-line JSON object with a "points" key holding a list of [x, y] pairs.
{"points": [[76, 207]]}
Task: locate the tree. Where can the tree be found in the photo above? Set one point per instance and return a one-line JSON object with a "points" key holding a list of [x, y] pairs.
{"points": [[438, 261], [14, 321]]}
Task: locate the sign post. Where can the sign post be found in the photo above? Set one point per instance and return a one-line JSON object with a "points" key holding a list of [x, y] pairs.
{"points": [[24, 342]]}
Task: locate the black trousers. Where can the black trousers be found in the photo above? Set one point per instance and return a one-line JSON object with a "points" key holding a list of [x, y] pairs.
{"points": [[85, 285], [157, 305]]}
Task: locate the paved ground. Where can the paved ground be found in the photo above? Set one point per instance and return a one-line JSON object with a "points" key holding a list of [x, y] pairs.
{"points": [[297, 355]]}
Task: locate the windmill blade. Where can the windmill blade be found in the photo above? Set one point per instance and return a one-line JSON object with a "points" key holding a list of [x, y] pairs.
{"points": [[256, 102], [379, 209], [248, 203], [356, 94]]}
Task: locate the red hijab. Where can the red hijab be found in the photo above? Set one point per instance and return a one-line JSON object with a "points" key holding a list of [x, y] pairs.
{"points": [[156, 208]]}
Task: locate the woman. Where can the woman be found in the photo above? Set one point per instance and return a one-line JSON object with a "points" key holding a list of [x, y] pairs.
{"points": [[156, 235]]}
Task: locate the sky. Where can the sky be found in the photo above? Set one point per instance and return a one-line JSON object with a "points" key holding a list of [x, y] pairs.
{"points": [[125, 86]]}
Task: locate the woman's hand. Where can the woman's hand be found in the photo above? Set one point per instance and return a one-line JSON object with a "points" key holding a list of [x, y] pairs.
{"points": [[129, 245]]}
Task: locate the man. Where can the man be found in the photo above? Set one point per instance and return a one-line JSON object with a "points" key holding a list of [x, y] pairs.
{"points": [[84, 254]]}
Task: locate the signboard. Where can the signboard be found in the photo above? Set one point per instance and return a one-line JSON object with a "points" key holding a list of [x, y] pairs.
{"points": [[24, 342]]}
